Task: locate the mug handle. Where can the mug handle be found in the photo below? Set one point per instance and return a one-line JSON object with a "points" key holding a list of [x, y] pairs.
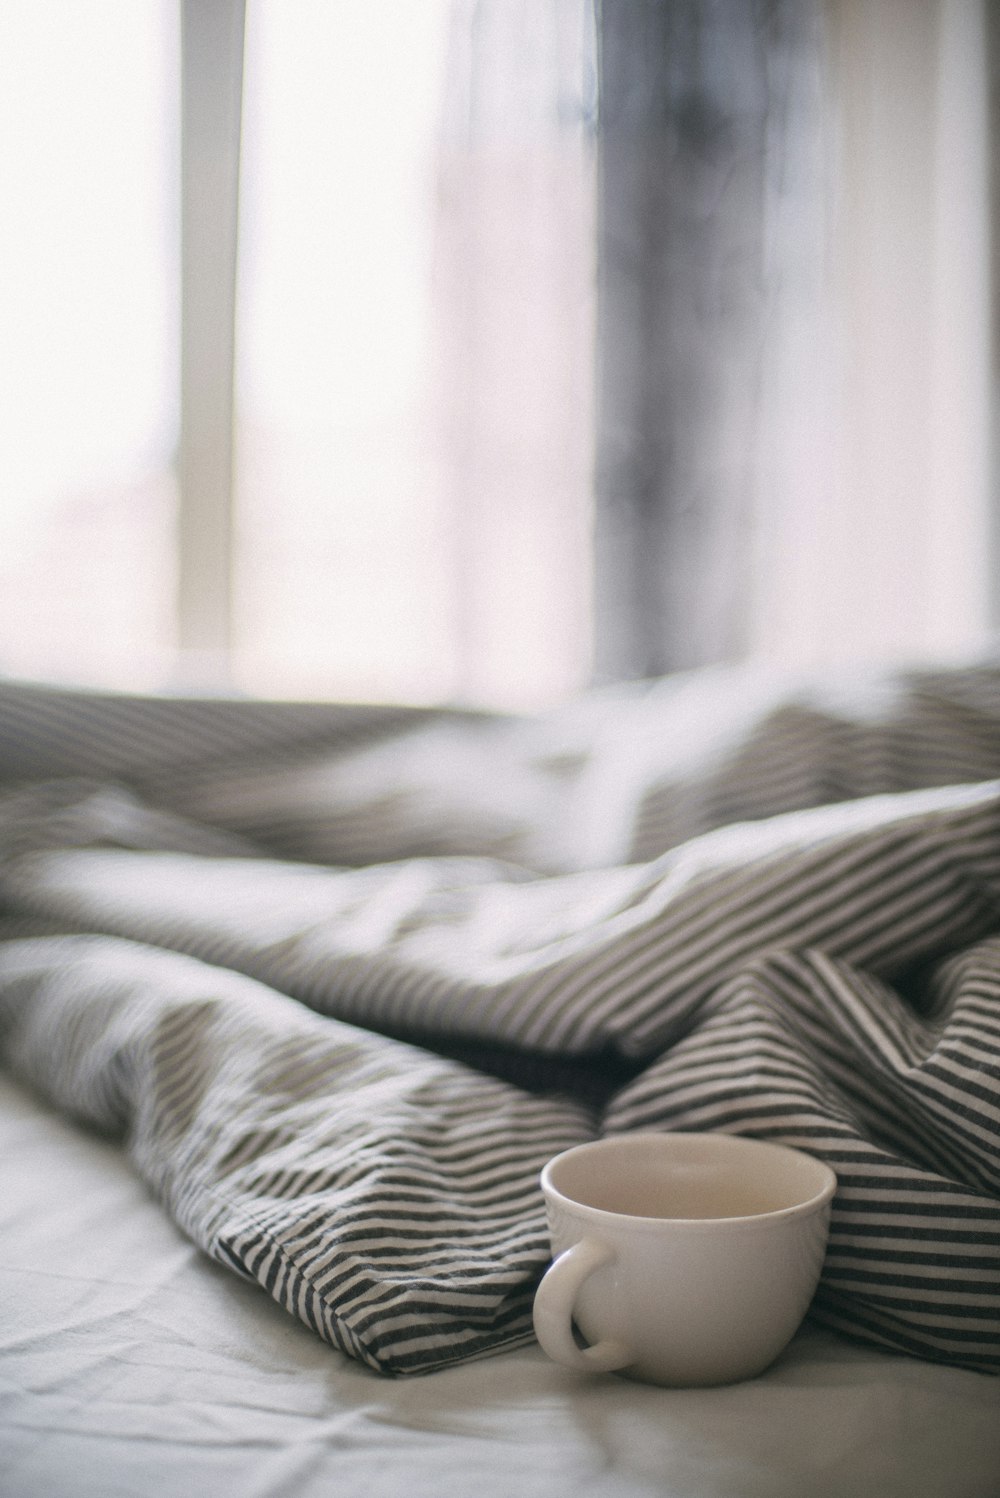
{"points": [[553, 1311]]}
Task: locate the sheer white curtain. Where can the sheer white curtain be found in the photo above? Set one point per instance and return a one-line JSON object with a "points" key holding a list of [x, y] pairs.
{"points": [[415, 350], [876, 492], [515, 304]]}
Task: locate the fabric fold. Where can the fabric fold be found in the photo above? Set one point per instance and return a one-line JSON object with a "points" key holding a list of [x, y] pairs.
{"points": [[343, 1081], [385, 1196]]}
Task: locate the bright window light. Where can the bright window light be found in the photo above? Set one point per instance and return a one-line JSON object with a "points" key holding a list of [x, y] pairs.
{"points": [[88, 305], [342, 561]]}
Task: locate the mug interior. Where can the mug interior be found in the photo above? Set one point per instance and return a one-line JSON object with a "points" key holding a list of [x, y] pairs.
{"points": [[690, 1177]]}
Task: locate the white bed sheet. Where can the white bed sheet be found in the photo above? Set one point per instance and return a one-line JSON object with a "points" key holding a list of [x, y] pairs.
{"points": [[132, 1365]]}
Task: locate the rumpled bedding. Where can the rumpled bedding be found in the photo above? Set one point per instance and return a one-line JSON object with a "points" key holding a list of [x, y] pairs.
{"points": [[343, 978]]}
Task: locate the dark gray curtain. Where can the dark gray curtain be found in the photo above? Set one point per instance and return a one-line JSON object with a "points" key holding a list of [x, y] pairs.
{"points": [[703, 104], [703, 239]]}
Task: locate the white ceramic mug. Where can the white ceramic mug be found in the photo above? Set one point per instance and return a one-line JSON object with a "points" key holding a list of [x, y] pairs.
{"points": [[683, 1259]]}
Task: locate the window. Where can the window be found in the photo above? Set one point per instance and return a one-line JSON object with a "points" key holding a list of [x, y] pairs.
{"points": [[360, 551], [88, 307], [300, 373], [342, 540]]}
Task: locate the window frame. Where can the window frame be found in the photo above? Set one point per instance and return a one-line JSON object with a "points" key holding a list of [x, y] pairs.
{"points": [[212, 52]]}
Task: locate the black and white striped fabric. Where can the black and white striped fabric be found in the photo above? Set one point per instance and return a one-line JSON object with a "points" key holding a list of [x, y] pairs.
{"points": [[344, 980]]}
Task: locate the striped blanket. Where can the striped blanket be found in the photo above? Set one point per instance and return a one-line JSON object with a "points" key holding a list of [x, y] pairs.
{"points": [[343, 978]]}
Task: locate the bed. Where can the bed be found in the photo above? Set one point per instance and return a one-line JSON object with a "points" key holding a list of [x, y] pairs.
{"points": [[296, 1000]]}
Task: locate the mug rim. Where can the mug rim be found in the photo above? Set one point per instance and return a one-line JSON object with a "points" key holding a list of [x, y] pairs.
{"points": [[744, 1221]]}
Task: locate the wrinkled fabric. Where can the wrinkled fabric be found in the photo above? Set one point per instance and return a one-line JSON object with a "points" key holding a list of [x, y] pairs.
{"points": [[342, 1079]]}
